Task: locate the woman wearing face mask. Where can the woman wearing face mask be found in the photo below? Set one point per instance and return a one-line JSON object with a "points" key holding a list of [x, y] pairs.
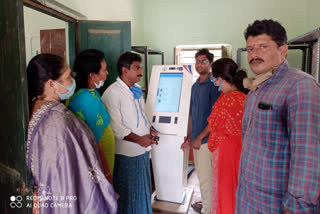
{"points": [[61, 152], [224, 141], [91, 72]]}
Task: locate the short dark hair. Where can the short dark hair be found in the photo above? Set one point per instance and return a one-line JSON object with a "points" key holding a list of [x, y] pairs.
{"points": [[205, 51], [228, 70], [270, 27], [88, 61], [42, 68], [126, 59]]}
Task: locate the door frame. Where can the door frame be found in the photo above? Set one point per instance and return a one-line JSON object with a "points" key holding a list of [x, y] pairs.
{"points": [[74, 25], [74, 46]]}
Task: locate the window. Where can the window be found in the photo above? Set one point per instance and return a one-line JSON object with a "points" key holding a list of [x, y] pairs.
{"points": [[184, 54]]}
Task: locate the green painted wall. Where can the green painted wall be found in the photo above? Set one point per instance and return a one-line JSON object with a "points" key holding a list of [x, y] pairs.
{"points": [[312, 15], [138, 23], [165, 24], [110, 10], [169, 23]]}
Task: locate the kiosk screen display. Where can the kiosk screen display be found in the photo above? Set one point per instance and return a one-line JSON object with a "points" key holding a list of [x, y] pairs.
{"points": [[169, 92]]}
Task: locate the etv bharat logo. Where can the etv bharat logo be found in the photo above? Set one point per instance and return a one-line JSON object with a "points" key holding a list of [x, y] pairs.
{"points": [[16, 201]]}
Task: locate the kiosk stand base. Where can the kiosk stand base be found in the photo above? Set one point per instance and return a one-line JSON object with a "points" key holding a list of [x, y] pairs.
{"points": [[159, 206]]}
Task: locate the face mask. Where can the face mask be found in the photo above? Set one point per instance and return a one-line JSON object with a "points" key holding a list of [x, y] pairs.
{"points": [[70, 92], [137, 92], [99, 85], [215, 79]]}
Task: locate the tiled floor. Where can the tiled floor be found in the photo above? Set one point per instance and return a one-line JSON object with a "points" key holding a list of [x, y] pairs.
{"points": [[193, 183]]}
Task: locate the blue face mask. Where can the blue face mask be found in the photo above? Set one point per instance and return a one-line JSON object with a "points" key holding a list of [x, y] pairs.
{"points": [[137, 92], [70, 89], [215, 79]]}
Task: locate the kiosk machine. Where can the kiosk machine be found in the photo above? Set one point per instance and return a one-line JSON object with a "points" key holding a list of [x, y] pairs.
{"points": [[167, 108]]}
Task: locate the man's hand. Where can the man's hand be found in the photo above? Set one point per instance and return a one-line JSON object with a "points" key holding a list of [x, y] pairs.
{"points": [[186, 144], [196, 143], [146, 140], [153, 133]]}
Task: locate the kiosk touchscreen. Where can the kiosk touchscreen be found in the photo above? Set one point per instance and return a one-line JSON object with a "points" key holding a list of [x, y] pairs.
{"points": [[169, 98], [167, 107], [169, 92]]}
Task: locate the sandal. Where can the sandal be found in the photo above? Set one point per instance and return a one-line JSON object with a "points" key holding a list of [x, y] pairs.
{"points": [[197, 206]]}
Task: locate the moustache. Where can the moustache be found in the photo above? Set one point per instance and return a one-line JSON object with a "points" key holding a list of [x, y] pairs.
{"points": [[256, 59]]}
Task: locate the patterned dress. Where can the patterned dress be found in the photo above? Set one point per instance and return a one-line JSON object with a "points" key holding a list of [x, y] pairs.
{"points": [[225, 142], [87, 104]]}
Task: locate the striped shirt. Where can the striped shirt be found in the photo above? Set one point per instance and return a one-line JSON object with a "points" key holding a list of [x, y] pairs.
{"points": [[280, 160]]}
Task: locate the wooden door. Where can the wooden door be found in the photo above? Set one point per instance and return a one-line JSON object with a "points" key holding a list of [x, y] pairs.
{"points": [[14, 110], [112, 38], [53, 41]]}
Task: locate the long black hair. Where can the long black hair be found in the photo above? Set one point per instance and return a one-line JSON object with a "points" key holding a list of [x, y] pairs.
{"points": [[42, 68], [228, 70], [88, 61]]}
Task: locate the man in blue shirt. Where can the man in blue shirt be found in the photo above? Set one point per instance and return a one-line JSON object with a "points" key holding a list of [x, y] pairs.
{"points": [[203, 95]]}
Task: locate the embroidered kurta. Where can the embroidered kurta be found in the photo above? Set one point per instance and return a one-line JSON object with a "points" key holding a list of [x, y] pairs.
{"points": [[225, 124]]}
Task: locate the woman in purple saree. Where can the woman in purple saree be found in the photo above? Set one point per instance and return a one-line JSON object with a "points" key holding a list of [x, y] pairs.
{"points": [[61, 150]]}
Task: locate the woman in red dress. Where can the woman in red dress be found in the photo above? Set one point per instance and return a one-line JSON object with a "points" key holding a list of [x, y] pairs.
{"points": [[224, 141]]}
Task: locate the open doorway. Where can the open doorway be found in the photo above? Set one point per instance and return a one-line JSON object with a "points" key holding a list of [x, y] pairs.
{"points": [[42, 21], [45, 34]]}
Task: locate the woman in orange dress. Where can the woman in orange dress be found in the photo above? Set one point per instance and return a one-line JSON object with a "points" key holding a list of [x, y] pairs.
{"points": [[224, 140]]}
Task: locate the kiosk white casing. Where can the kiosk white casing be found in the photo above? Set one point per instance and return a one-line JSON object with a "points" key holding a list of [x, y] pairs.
{"points": [[167, 108]]}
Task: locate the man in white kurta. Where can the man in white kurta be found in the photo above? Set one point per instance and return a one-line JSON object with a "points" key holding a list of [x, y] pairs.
{"points": [[132, 175]]}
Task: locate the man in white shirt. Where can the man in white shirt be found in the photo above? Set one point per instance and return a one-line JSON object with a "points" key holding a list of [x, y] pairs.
{"points": [[132, 175]]}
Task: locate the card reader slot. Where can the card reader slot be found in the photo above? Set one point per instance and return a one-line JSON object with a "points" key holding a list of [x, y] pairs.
{"points": [[163, 119]]}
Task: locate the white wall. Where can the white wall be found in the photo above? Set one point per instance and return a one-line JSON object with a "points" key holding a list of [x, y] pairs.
{"points": [[35, 21]]}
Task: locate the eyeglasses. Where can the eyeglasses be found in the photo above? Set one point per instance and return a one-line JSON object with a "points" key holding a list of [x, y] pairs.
{"points": [[202, 61]]}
